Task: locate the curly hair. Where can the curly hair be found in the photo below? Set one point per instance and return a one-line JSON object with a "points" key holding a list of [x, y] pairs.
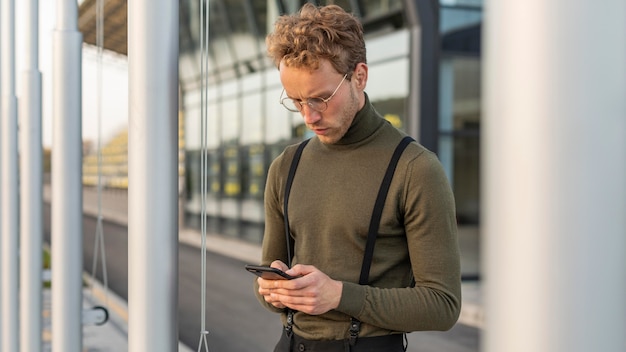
{"points": [[303, 39]]}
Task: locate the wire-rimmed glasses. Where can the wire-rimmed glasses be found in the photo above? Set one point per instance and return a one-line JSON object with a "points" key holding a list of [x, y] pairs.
{"points": [[316, 103]]}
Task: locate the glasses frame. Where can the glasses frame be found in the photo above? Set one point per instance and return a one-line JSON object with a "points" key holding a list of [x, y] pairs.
{"points": [[306, 101]]}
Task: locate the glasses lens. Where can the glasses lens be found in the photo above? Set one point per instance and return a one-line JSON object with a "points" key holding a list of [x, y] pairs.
{"points": [[317, 104], [290, 104]]}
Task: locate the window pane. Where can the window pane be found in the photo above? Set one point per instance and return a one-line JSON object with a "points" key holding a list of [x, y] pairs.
{"points": [[380, 7], [277, 125], [252, 119], [388, 88], [230, 121], [459, 124]]}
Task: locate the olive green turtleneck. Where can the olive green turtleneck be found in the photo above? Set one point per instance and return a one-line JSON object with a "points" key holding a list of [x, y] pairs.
{"points": [[330, 206]]}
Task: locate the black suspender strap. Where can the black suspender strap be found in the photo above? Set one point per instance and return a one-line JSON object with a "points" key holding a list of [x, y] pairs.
{"points": [[290, 176], [289, 240], [355, 324], [378, 210]]}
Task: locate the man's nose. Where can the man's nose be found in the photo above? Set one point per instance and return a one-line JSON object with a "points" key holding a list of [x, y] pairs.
{"points": [[309, 115]]}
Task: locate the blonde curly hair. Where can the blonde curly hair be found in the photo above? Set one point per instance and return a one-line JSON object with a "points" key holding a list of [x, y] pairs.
{"points": [[303, 39]]}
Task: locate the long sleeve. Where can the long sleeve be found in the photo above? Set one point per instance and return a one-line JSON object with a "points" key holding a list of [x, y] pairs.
{"points": [[274, 240]]}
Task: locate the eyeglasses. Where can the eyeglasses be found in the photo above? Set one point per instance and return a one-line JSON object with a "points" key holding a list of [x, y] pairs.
{"points": [[317, 104]]}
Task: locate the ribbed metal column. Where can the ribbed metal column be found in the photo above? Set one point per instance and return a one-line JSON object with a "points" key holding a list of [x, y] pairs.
{"points": [[67, 199], [554, 176], [153, 175], [9, 228], [31, 185]]}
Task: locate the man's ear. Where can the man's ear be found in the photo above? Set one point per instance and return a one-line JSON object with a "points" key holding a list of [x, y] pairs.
{"points": [[360, 75]]}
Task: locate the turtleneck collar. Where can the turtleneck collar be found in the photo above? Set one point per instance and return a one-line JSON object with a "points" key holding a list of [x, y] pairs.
{"points": [[365, 123]]}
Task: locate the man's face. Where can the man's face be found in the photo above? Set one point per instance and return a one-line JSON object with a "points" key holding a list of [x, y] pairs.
{"points": [[331, 124]]}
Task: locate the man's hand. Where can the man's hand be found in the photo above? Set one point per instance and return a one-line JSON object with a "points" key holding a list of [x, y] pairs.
{"points": [[314, 293]]}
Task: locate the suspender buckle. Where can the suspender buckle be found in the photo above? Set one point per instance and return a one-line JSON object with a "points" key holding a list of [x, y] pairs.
{"points": [[355, 327], [289, 327]]}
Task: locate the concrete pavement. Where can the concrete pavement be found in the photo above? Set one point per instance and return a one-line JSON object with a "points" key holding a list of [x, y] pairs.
{"points": [[112, 336]]}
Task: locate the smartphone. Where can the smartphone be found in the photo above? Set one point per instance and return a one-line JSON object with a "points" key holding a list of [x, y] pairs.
{"points": [[269, 273]]}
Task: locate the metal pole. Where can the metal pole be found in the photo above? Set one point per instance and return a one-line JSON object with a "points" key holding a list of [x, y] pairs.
{"points": [[31, 187], [67, 241], [423, 102], [2, 318], [153, 175], [429, 46], [414, 118], [9, 207], [554, 176]]}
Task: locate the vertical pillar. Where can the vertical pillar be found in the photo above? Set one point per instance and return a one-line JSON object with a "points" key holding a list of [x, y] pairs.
{"points": [[445, 150], [554, 176], [153, 175], [423, 102], [31, 186], [9, 229], [67, 199]]}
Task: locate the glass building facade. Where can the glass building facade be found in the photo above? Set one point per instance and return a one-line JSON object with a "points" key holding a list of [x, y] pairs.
{"points": [[246, 128]]}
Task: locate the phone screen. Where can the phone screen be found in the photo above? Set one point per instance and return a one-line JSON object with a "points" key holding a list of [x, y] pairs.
{"points": [[269, 273]]}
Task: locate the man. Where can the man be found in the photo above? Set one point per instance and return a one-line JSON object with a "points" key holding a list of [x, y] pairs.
{"points": [[414, 280]]}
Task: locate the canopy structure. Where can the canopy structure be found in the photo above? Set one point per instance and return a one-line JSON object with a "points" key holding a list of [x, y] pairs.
{"points": [[115, 24]]}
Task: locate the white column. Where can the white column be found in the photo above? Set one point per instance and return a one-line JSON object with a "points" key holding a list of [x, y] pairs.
{"points": [[153, 175], [554, 175], [9, 230], [67, 207], [31, 186]]}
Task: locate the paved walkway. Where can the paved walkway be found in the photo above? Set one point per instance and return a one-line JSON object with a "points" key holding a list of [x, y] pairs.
{"points": [[113, 335]]}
